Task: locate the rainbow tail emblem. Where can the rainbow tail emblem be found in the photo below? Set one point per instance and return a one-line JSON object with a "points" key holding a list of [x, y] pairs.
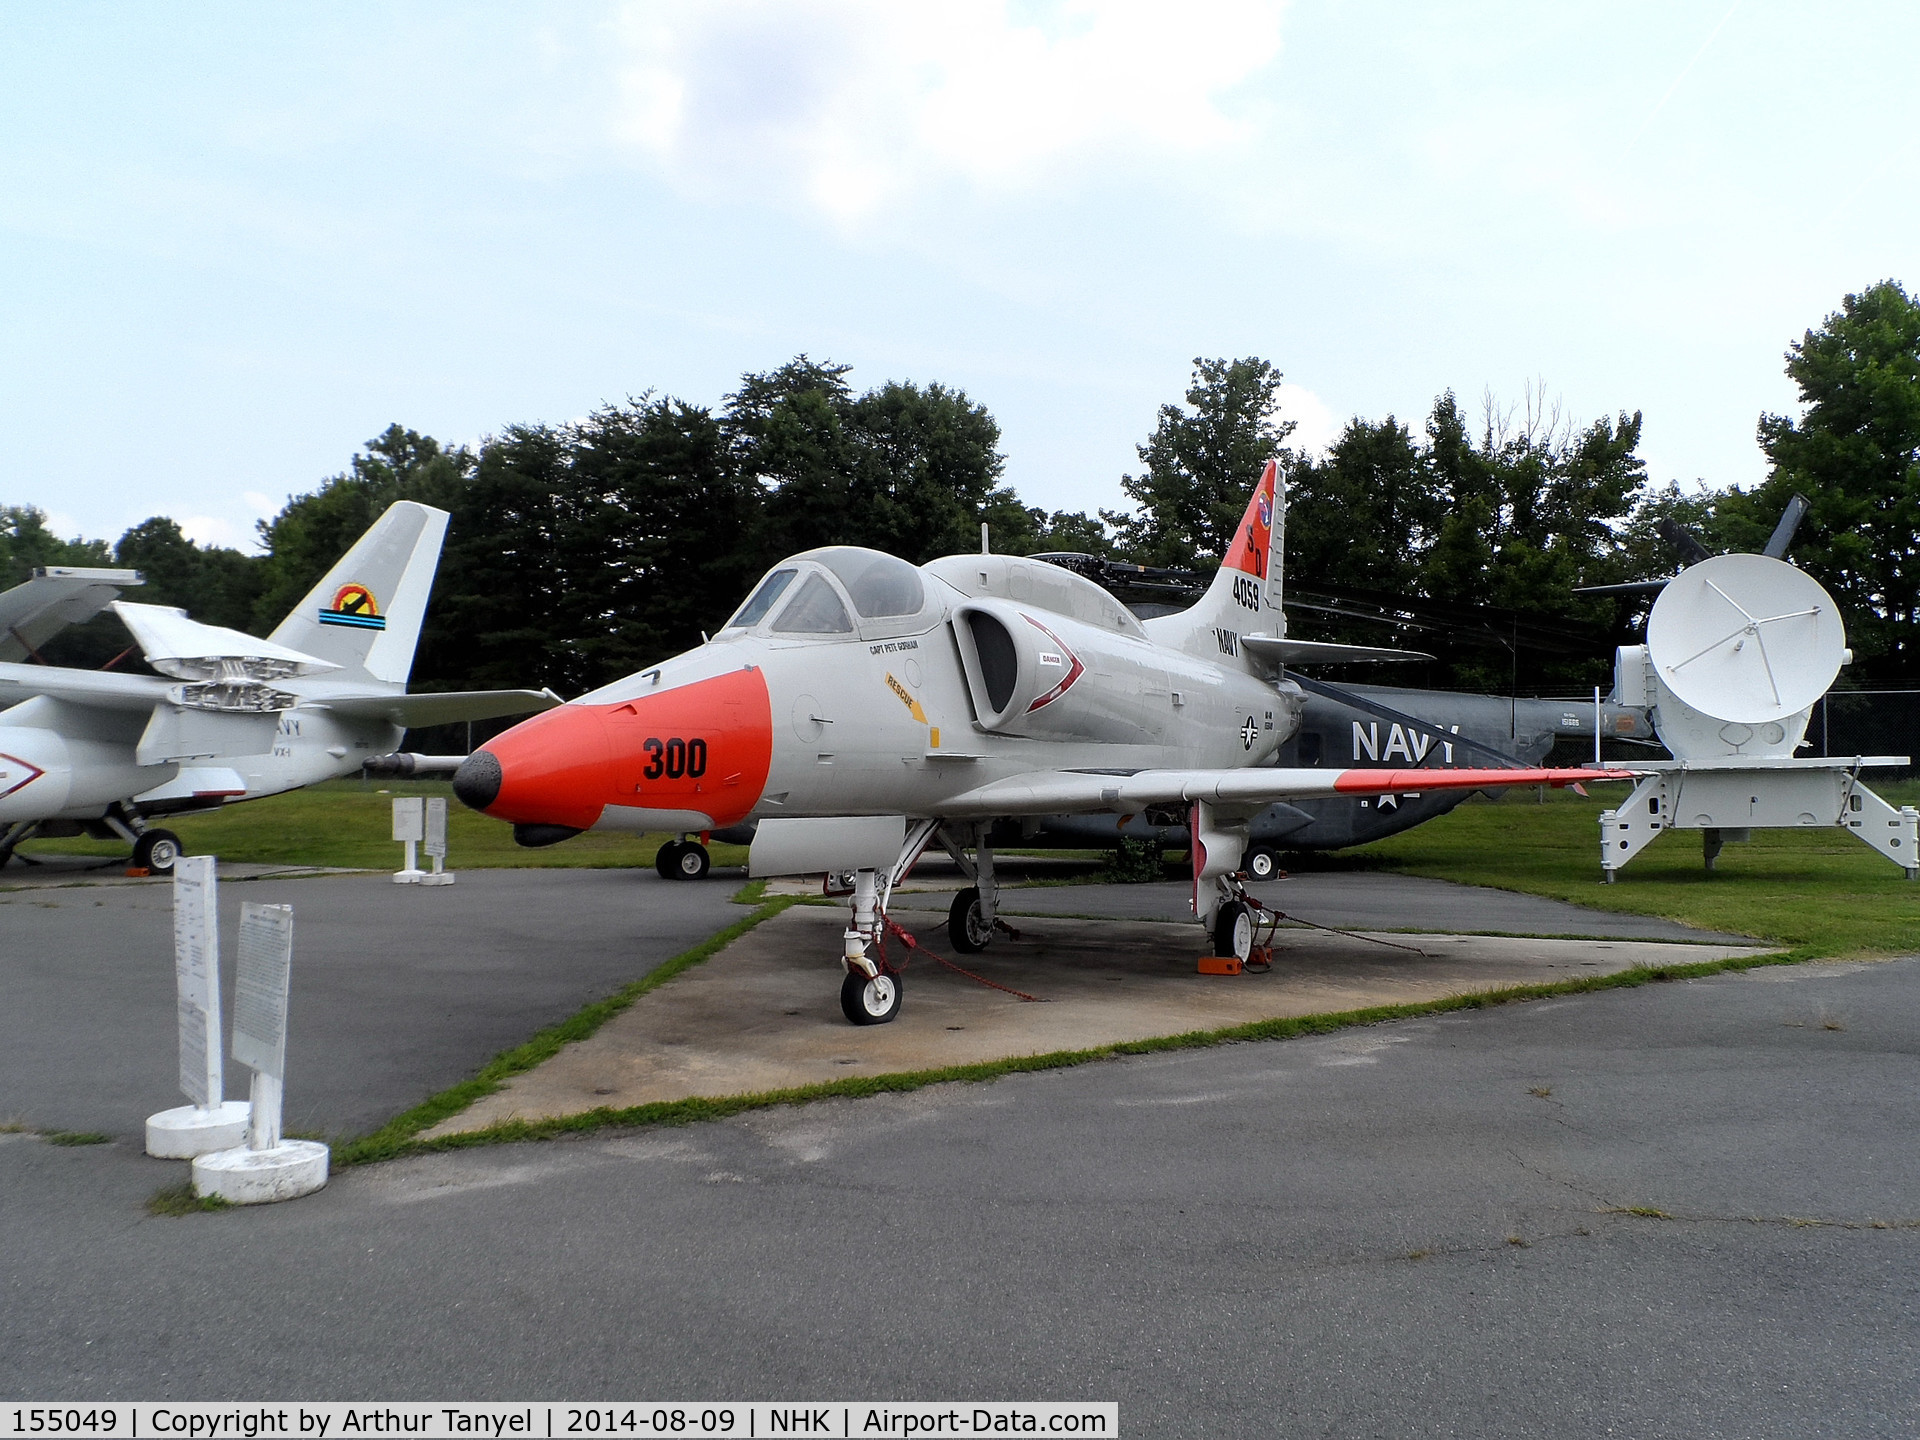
{"points": [[354, 605]]}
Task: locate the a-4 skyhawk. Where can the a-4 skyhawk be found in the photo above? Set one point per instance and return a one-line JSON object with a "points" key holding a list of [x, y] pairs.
{"points": [[860, 709]]}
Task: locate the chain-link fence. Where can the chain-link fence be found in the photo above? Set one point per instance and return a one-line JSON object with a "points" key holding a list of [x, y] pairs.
{"points": [[1867, 722]]}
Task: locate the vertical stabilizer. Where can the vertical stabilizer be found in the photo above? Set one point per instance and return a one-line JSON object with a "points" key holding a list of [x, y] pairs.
{"points": [[365, 615], [1244, 598]]}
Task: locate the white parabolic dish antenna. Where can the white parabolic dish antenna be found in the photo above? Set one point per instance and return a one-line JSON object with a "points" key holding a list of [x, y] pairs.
{"points": [[1746, 638]]}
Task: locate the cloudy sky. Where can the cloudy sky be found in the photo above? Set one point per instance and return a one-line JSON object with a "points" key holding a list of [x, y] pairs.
{"points": [[237, 241]]}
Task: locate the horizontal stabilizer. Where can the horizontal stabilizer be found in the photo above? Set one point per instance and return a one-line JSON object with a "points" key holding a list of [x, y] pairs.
{"points": [[187, 650], [443, 708], [1319, 652]]}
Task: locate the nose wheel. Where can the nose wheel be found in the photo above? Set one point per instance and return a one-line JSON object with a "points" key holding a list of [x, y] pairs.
{"points": [[682, 860], [870, 1000]]}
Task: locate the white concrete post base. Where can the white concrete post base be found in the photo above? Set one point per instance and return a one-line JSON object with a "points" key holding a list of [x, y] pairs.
{"points": [[437, 877], [254, 1177], [187, 1130], [408, 877]]}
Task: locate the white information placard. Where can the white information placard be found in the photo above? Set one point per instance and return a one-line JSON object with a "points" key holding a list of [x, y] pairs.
{"points": [[196, 969], [437, 826], [260, 988], [409, 818]]}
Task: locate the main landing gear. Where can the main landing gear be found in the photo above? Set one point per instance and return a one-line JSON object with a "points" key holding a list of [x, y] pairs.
{"points": [[682, 859], [871, 993], [154, 850]]}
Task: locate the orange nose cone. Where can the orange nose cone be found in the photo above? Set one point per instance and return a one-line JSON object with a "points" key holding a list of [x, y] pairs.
{"points": [[704, 747], [548, 770]]}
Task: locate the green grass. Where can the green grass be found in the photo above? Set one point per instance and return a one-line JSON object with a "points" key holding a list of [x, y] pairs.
{"points": [[75, 1137], [350, 823], [1821, 893], [180, 1200]]}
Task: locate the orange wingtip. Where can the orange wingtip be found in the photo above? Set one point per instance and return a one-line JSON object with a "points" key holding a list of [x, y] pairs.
{"points": [[1380, 782]]}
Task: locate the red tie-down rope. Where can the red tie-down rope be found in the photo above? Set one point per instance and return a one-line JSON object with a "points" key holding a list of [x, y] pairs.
{"points": [[894, 928]]}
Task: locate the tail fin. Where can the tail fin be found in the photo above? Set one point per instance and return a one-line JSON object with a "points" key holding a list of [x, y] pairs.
{"points": [[365, 615], [1244, 598]]}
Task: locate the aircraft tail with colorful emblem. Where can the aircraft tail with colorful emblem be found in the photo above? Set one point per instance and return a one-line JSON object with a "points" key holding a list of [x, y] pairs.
{"points": [[1244, 598], [365, 614]]}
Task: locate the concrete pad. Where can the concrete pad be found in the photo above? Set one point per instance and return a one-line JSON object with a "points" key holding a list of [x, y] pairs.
{"points": [[764, 1013]]}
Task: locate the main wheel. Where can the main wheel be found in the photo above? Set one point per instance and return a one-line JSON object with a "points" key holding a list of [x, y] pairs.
{"points": [[1260, 863], [870, 1002], [967, 924], [667, 860], [156, 850], [1233, 931], [692, 861]]}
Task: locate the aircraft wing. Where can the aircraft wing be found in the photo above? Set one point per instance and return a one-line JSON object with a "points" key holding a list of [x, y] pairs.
{"points": [[1325, 652], [57, 596], [103, 688], [1053, 792], [438, 708]]}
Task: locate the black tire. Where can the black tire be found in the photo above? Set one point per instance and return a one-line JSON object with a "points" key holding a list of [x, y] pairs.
{"points": [[968, 929], [692, 862], [870, 1002], [1260, 863], [666, 860], [1233, 931], [156, 850]]}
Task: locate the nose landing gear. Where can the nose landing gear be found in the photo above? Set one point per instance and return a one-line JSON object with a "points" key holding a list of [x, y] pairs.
{"points": [[870, 999], [682, 860]]}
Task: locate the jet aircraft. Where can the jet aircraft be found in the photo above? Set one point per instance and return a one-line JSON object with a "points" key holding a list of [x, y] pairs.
{"points": [[1358, 725], [860, 709], [230, 717]]}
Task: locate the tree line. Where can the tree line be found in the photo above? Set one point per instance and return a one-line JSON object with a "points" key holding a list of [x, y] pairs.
{"points": [[580, 552]]}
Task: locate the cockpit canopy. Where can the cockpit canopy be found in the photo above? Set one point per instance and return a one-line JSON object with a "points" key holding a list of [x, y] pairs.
{"points": [[820, 592]]}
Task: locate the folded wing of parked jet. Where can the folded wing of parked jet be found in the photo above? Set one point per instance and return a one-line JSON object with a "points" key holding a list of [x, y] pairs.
{"points": [[52, 598], [188, 650]]}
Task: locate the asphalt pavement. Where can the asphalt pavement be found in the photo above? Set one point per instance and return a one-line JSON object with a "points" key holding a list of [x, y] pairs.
{"points": [[1416, 1229], [398, 990], [1689, 1209]]}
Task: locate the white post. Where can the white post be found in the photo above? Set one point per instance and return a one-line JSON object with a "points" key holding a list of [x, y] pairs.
{"points": [[1596, 727], [263, 1129], [268, 1166], [436, 845], [211, 1122], [410, 828]]}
